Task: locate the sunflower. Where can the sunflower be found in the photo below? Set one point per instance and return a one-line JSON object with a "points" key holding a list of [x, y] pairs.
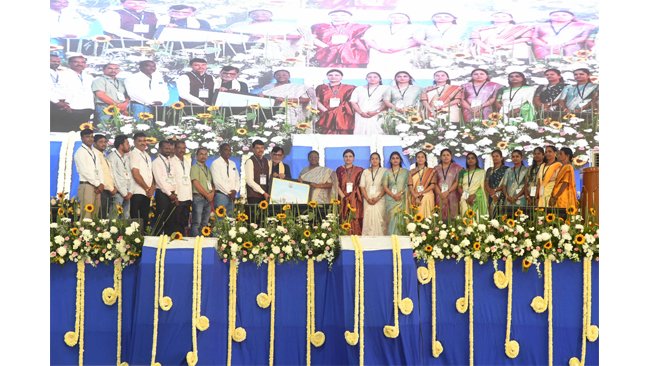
{"points": [[263, 205], [414, 207], [242, 217], [151, 140], [550, 217], [281, 216], [74, 231], [176, 235], [204, 116], [467, 222], [102, 39], [352, 209], [220, 211], [303, 125], [120, 209], [247, 245], [547, 121], [178, 106], [254, 106], [592, 211], [346, 226], [579, 161], [428, 249], [333, 201], [556, 125], [86, 126], [579, 239], [213, 108], [582, 53], [490, 123], [510, 222], [504, 217], [286, 207], [313, 110], [152, 215], [548, 245], [206, 231], [428, 146], [242, 131], [571, 210], [313, 204], [519, 212], [145, 116], [306, 233], [418, 218], [60, 211], [477, 246], [526, 263], [290, 104], [415, 119], [89, 208], [111, 110], [70, 210], [469, 213], [501, 145], [568, 116], [494, 116]]}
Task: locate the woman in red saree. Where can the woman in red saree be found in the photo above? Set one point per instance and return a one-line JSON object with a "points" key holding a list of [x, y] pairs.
{"points": [[337, 114], [502, 36], [443, 99], [349, 178], [339, 42]]}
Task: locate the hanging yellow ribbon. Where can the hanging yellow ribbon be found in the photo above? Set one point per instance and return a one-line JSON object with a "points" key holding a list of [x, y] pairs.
{"points": [[542, 304], [234, 334], [162, 245], [589, 331], [271, 289], [75, 337], [467, 302], [356, 337], [110, 295], [436, 345], [313, 338], [405, 305], [511, 346]]}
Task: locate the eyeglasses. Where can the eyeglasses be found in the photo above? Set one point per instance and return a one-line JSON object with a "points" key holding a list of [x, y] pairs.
{"points": [[228, 73]]}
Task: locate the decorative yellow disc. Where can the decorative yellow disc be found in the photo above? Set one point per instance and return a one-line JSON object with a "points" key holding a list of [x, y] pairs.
{"points": [[423, 275], [109, 296], [157, 364], [461, 305], [191, 358], [166, 303], [70, 338], [239, 335], [539, 304], [351, 338], [202, 323], [592, 333], [437, 349], [574, 361], [263, 300], [406, 306], [391, 331], [500, 279], [124, 364], [317, 339], [512, 349]]}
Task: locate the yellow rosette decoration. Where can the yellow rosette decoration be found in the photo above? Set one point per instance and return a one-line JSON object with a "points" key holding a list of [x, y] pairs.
{"points": [[511, 346], [314, 338], [356, 337], [589, 331], [542, 304], [199, 321], [110, 295], [76, 337], [264, 300], [404, 305], [436, 345], [158, 285], [467, 303], [423, 275], [237, 334]]}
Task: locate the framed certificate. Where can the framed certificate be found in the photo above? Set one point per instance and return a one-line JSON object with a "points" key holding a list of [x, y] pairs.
{"points": [[287, 191]]}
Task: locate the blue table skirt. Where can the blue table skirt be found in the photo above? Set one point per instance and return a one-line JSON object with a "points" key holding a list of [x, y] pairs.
{"points": [[334, 314]]}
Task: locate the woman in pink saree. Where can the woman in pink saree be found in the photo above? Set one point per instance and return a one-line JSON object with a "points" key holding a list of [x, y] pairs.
{"points": [[339, 42], [561, 35]]}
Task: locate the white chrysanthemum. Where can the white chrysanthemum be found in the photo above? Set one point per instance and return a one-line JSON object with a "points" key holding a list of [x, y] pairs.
{"points": [[535, 253], [61, 251], [410, 227], [59, 239], [243, 230], [443, 234], [455, 249], [275, 249]]}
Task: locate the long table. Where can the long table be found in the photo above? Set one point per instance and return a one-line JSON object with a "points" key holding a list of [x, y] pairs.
{"points": [[334, 312]]}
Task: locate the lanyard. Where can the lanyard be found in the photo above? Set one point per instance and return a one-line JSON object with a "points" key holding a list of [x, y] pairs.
{"points": [[182, 165], [546, 167], [144, 157], [476, 93], [168, 167], [516, 91], [334, 92], [400, 91], [469, 183], [348, 172], [204, 170], [395, 175], [517, 175], [581, 95], [420, 175], [373, 175], [92, 155], [139, 18], [444, 173], [201, 80], [55, 80], [122, 160], [557, 33], [442, 90], [227, 167], [373, 91]]}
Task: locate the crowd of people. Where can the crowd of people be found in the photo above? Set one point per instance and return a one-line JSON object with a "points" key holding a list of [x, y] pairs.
{"points": [[342, 108], [373, 200]]}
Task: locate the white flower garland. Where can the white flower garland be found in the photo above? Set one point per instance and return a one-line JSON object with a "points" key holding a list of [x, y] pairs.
{"points": [[71, 338], [589, 331], [356, 337], [110, 295], [467, 302], [67, 180], [404, 305], [198, 321], [63, 154], [234, 334], [313, 337], [162, 245]]}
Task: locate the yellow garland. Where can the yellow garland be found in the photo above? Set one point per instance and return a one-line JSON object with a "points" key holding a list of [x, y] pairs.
{"points": [[234, 334], [165, 301], [399, 304], [589, 332], [271, 289], [467, 302], [511, 346], [436, 345], [356, 337], [110, 295], [549, 295], [162, 242], [77, 336], [198, 322], [313, 338]]}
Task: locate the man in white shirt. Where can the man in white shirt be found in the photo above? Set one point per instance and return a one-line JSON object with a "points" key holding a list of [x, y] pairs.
{"points": [[110, 91], [146, 88], [75, 96], [121, 169], [130, 22], [196, 87], [182, 164], [107, 176], [66, 23], [58, 107], [142, 179], [90, 176], [166, 198], [226, 179]]}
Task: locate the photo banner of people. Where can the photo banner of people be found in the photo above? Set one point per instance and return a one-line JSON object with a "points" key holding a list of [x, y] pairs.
{"points": [[472, 76]]}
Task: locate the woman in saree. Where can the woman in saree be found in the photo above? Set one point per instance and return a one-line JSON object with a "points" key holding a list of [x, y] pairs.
{"points": [[446, 187], [479, 96], [517, 99], [531, 186], [322, 180], [561, 35], [564, 192], [472, 188], [349, 179], [337, 115], [442, 100], [444, 36], [395, 187], [547, 97], [422, 185], [339, 43], [295, 97], [493, 177], [546, 176], [405, 94], [389, 44], [514, 184], [368, 102], [582, 98], [503, 36], [374, 204]]}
